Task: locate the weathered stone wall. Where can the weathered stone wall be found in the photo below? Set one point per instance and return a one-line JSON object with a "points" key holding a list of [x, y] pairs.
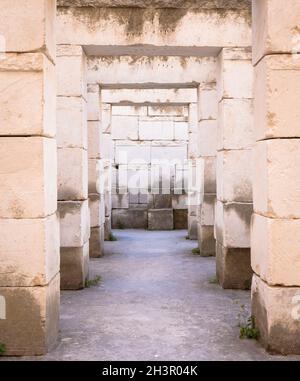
{"points": [[153, 141], [275, 229], [29, 239]]}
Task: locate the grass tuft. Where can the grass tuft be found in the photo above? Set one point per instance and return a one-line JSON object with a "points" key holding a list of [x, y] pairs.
{"points": [[93, 282], [248, 330], [112, 238], [196, 251], [2, 349]]}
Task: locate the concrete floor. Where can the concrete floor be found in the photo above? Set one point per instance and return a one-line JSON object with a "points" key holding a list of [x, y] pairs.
{"points": [[156, 301]]}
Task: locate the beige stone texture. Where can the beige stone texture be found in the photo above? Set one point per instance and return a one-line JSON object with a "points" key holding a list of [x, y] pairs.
{"points": [[33, 22], [209, 166], [97, 209], [143, 70], [27, 94], [30, 310], [207, 209], [181, 130], [275, 250], [232, 224], [277, 317], [277, 181], [277, 96], [233, 64], [72, 174], [234, 174], [71, 122], [94, 139], [130, 110], [233, 267], [120, 201], [74, 223], [71, 66], [207, 137], [27, 177], [206, 240], [141, 96], [29, 251], [275, 27], [160, 219], [192, 227], [207, 102], [193, 117], [94, 171], [107, 228], [93, 103], [97, 242], [106, 116], [235, 124], [74, 267], [125, 127]]}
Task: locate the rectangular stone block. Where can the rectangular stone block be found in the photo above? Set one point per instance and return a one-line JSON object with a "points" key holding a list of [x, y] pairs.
{"points": [[173, 154], [275, 249], [97, 242], [156, 129], [107, 228], [206, 240], [108, 203], [71, 122], [74, 267], [192, 227], [93, 102], [181, 130], [120, 201], [162, 201], [193, 146], [232, 224], [180, 217], [193, 117], [275, 27], [95, 170], [235, 124], [207, 102], [277, 183], [209, 166], [130, 110], [74, 223], [133, 154], [234, 174], [207, 209], [124, 127], [129, 219], [160, 219], [279, 327], [166, 110], [207, 137], [233, 267], [27, 94], [28, 310], [72, 174], [71, 66], [97, 209], [94, 139], [27, 177], [235, 63], [33, 21], [277, 97], [29, 251]]}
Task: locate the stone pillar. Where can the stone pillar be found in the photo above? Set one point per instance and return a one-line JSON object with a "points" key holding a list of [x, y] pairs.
{"points": [[193, 154], [207, 150], [275, 232], [107, 154], [29, 239], [234, 168], [72, 166], [96, 196]]}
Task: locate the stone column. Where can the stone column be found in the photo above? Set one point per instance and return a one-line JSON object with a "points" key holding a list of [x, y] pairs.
{"points": [[96, 196], [207, 150], [234, 168], [275, 232], [72, 166], [29, 239], [107, 155], [193, 155]]}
